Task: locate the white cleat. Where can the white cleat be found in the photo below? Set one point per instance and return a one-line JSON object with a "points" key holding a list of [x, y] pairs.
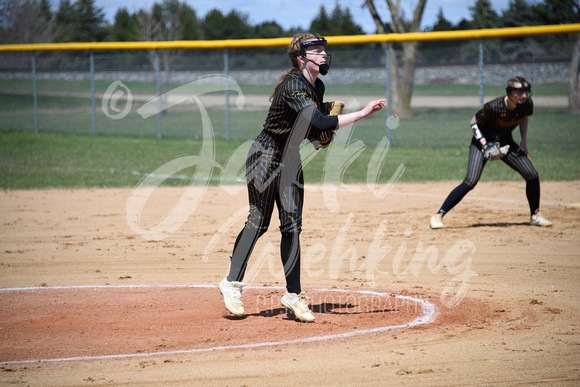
{"points": [[297, 304], [232, 292], [436, 221], [538, 220]]}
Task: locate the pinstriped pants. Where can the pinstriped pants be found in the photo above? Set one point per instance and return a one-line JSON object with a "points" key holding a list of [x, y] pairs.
{"points": [[518, 161], [272, 183], [274, 177]]}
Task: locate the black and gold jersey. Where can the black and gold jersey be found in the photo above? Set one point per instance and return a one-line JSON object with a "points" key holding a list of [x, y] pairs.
{"points": [[293, 95], [496, 122]]}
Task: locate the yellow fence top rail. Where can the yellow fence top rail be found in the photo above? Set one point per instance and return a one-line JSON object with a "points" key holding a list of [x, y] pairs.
{"points": [[351, 39]]}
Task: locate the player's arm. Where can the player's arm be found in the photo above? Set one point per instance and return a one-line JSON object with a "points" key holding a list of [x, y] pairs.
{"points": [[524, 133], [476, 132], [322, 122], [351, 118], [299, 99]]}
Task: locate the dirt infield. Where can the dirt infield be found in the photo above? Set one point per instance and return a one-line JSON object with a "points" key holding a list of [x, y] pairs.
{"points": [[90, 295]]}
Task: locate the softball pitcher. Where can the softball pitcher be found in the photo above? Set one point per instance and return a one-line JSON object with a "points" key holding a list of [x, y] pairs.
{"points": [[274, 171], [492, 128]]}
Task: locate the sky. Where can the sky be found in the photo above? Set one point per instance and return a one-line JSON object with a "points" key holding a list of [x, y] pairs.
{"points": [[300, 13]]}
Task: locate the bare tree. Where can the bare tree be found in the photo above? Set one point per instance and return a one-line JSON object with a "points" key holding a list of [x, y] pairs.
{"points": [[574, 75], [151, 30], [21, 22], [402, 72], [171, 20]]}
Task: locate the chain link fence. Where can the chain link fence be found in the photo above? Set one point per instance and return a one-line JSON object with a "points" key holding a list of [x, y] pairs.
{"points": [[116, 92]]}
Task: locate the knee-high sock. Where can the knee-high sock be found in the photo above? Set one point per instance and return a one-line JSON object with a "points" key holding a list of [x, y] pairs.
{"points": [[243, 248], [533, 194], [455, 197], [290, 252]]}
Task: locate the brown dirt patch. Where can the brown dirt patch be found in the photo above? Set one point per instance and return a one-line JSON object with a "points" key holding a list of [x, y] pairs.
{"points": [[87, 323], [507, 293], [50, 323]]}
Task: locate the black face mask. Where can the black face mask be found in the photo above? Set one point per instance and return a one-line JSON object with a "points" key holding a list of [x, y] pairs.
{"points": [[323, 68], [526, 86]]}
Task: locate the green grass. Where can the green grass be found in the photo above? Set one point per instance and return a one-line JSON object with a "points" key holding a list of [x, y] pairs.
{"points": [[29, 161], [25, 103], [58, 160], [23, 85], [428, 127], [432, 144]]}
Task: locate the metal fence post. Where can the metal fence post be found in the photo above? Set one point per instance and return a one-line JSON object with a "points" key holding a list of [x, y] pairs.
{"points": [[92, 59], [159, 104], [481, 72], [34, 92], [226, 71], [388, 57]]}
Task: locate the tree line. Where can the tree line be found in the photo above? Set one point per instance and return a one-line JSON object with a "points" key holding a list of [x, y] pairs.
{"points": [[519, 13], [33, 21]]}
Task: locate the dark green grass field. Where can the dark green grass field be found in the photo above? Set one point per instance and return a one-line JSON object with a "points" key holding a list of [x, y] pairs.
{"points": [[430, 146], [29, 161], [66, 107]]}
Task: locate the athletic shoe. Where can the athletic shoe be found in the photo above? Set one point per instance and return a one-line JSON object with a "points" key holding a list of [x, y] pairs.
{"points": [[297, 303], [538, 220], [436, 221], [232, 292]]}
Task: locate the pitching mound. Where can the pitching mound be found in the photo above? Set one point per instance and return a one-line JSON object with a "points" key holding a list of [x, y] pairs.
{"points": [[76, 323]]}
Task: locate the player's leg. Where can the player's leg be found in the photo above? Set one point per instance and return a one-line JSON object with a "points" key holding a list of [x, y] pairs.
{"points": [[290, 207], [262, 191], [262, 174], [258, 220], [290, 203], [475, 165], [520, 162], [245, 242]]}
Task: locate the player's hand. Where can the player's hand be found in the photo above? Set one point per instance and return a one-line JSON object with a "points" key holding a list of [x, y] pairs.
{"points": [[523, 149], [373, 107]]}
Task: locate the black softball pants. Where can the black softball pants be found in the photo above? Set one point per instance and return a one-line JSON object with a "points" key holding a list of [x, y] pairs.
{"points": [[518, 161], [272, 183]]}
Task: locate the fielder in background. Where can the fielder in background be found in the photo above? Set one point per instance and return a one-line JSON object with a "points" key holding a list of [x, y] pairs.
{"points": [[274, 170], [492, 128]]}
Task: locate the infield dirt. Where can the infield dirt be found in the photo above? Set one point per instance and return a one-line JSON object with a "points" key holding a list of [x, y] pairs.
{"points": [[507, 295]]}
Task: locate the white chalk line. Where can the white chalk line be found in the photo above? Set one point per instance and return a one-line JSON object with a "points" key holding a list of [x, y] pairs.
{"points": [[429, 315], [321, 188]]}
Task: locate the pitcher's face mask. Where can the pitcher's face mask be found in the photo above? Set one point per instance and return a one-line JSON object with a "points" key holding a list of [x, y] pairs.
{"points": [[322, 68]]}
